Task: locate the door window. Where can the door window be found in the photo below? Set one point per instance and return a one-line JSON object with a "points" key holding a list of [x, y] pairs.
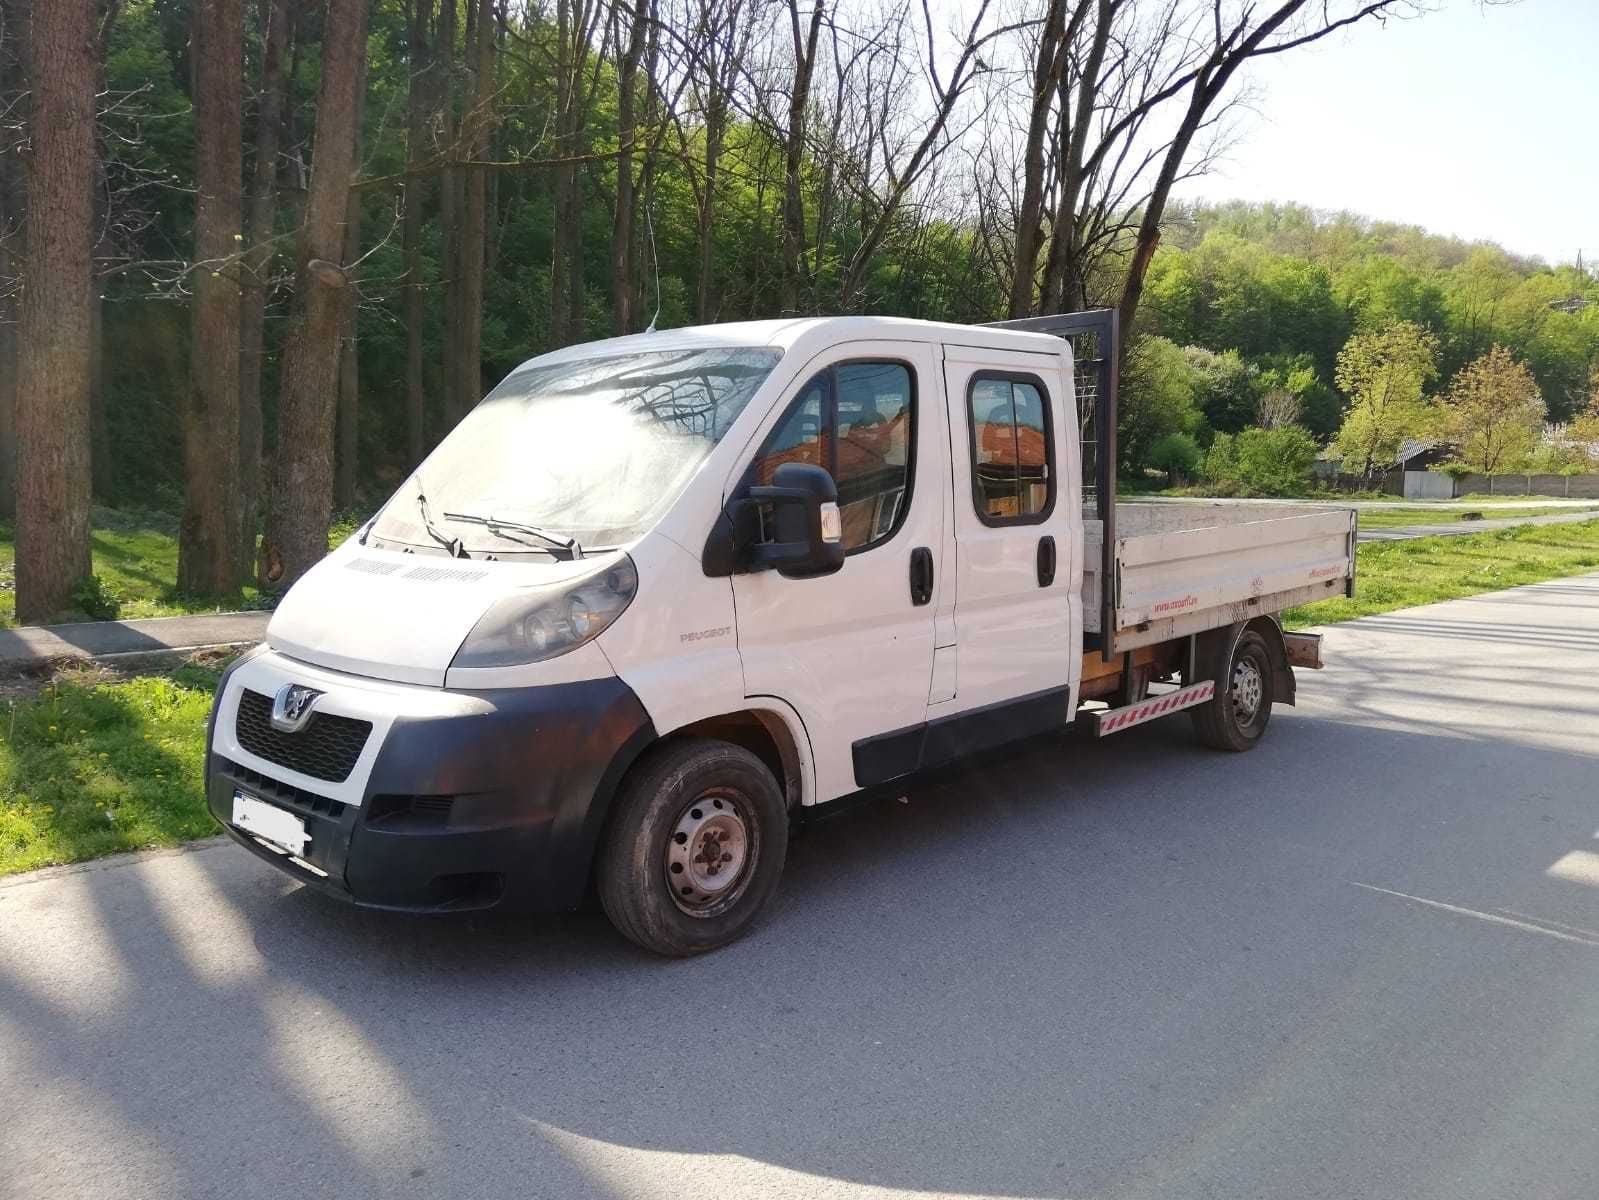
{"points": [[857, 419], [1012, 452]]}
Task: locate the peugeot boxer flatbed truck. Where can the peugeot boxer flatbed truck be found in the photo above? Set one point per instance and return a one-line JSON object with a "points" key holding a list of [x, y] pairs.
{"points": [[658, 596]]}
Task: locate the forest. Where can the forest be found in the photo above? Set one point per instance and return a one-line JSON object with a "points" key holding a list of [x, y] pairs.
{"points": [[257, 256]]}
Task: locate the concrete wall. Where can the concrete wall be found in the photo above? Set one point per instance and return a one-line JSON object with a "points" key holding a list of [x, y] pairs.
{"points": [[1578, 487], [1428, 485]]}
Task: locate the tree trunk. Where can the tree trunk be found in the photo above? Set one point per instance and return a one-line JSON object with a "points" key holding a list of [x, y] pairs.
{"points": [[208, 537], [704, 299], [101, 472], [10, 260], [468, 384], [269, 130], [1065, 274], [301, 497], [450, 200], [349, 366], [794, 154], [418, 94], [52, 553], [1048, 66], [626, 130], [349, 414], [565, 215]]}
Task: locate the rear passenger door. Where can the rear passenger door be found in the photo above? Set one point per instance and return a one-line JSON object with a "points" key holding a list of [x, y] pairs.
{"points": [[1010, 547]]}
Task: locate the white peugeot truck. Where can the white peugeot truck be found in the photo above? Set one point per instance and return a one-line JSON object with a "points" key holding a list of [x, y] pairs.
{"points": [[658, 597]]}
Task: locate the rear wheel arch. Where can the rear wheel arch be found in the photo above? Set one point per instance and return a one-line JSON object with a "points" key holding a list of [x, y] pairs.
{"points": [[1271, 631], [1214, 652]]}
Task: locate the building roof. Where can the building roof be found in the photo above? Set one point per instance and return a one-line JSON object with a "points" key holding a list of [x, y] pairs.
{"points": [[1414, 447]]}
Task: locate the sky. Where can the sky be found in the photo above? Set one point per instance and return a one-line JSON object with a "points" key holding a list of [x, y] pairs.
{"points": [[1477, 122]]}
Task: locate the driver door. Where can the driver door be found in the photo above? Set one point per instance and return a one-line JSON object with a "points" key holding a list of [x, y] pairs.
{"points": [[852, 652]]}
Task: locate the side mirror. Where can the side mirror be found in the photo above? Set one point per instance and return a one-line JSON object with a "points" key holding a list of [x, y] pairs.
{"points": [[803, 539]]}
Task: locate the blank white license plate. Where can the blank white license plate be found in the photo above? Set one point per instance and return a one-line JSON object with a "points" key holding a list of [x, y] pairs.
{"points": [[271, 824]]}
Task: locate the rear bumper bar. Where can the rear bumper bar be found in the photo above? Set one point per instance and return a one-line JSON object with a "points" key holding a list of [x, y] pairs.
{"points": [[1304, 650]]}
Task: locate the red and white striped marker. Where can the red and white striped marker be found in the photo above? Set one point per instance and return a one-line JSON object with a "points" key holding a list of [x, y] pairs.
{"points": [[1118, 719]]}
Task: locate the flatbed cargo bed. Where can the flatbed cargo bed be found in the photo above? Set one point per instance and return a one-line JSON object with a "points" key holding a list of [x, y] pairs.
{"points": [[1182, 568]]}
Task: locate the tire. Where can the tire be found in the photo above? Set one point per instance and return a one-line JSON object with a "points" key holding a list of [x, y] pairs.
{"points": [[686, 813], [1236, 717]]}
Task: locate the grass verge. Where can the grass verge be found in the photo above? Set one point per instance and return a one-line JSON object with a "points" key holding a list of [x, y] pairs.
{"points": [[92, 768], [1390, 575], [136, 557]]}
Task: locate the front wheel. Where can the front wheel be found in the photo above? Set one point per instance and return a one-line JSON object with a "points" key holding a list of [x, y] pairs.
{"points": [[1236, 717], [694, 847]]}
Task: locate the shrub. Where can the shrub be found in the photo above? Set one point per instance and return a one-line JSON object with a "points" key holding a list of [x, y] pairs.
{"points": [[1221, 464], [1177, 455], [1275, 462], [1262, 462], [95, 600]]}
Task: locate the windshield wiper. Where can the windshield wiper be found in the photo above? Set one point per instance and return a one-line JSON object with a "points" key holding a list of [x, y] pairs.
{"points": [[496, 525], [452, 544]]}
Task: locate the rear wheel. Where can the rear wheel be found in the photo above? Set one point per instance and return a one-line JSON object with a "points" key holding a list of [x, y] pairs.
{"points": [[694, 847], [1236, 717]]}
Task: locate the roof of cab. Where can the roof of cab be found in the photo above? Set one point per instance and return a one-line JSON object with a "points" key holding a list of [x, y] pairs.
{"points": [[786, 333]]}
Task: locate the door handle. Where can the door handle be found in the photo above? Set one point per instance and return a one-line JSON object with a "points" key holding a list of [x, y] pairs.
{"points": [[1046, 560], [921, 575]]}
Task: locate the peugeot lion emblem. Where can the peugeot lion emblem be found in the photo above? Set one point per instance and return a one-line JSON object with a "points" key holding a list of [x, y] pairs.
{"points": [[292, 707]]}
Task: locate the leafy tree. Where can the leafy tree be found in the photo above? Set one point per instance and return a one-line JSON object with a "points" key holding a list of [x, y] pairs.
{"points": [[1157, 399], [1320, 409], [1384, 374], [1379, 290], [1494, 412], [1224, 387]]}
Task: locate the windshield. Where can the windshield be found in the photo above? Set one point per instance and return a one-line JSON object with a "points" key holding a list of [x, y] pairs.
{"points": [[594, 450]]}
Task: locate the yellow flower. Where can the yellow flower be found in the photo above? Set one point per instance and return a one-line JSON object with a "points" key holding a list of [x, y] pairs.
{"points": [[52, 729]]}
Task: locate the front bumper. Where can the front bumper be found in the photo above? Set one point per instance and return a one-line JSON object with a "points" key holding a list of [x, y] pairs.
{"points": [[459, 800]]}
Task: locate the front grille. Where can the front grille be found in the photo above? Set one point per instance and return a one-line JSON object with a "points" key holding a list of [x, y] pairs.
{"points": [[284, 795], [326, 748]]}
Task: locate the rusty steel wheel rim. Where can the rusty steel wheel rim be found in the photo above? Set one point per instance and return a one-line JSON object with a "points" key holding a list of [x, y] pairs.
{"points": [[1247, 691], [709, 854]]}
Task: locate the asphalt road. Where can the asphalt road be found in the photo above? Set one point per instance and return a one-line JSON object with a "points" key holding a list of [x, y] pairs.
{"points": [[1362, 961]]}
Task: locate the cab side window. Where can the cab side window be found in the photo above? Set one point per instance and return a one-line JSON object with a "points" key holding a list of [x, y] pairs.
{"points": [[1013, 479], [856, 419]]}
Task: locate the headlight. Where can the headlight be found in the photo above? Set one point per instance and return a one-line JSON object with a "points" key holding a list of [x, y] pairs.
{"points": [[543, 623]]}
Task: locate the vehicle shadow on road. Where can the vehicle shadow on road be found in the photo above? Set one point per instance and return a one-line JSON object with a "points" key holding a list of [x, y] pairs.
{"points": [[1071, 969]]}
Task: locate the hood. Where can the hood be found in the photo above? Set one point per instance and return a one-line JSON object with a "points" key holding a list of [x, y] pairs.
{"points": [[391, 615]]}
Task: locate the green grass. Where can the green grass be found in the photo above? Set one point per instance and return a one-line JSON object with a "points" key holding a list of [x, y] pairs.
{"points": [[1390, 575], [1390, 518], [87, 770], [136, 557]]}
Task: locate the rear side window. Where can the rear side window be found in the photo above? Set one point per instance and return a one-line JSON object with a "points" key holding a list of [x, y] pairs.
{"points": [[857, 419], [1013, 454]]}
